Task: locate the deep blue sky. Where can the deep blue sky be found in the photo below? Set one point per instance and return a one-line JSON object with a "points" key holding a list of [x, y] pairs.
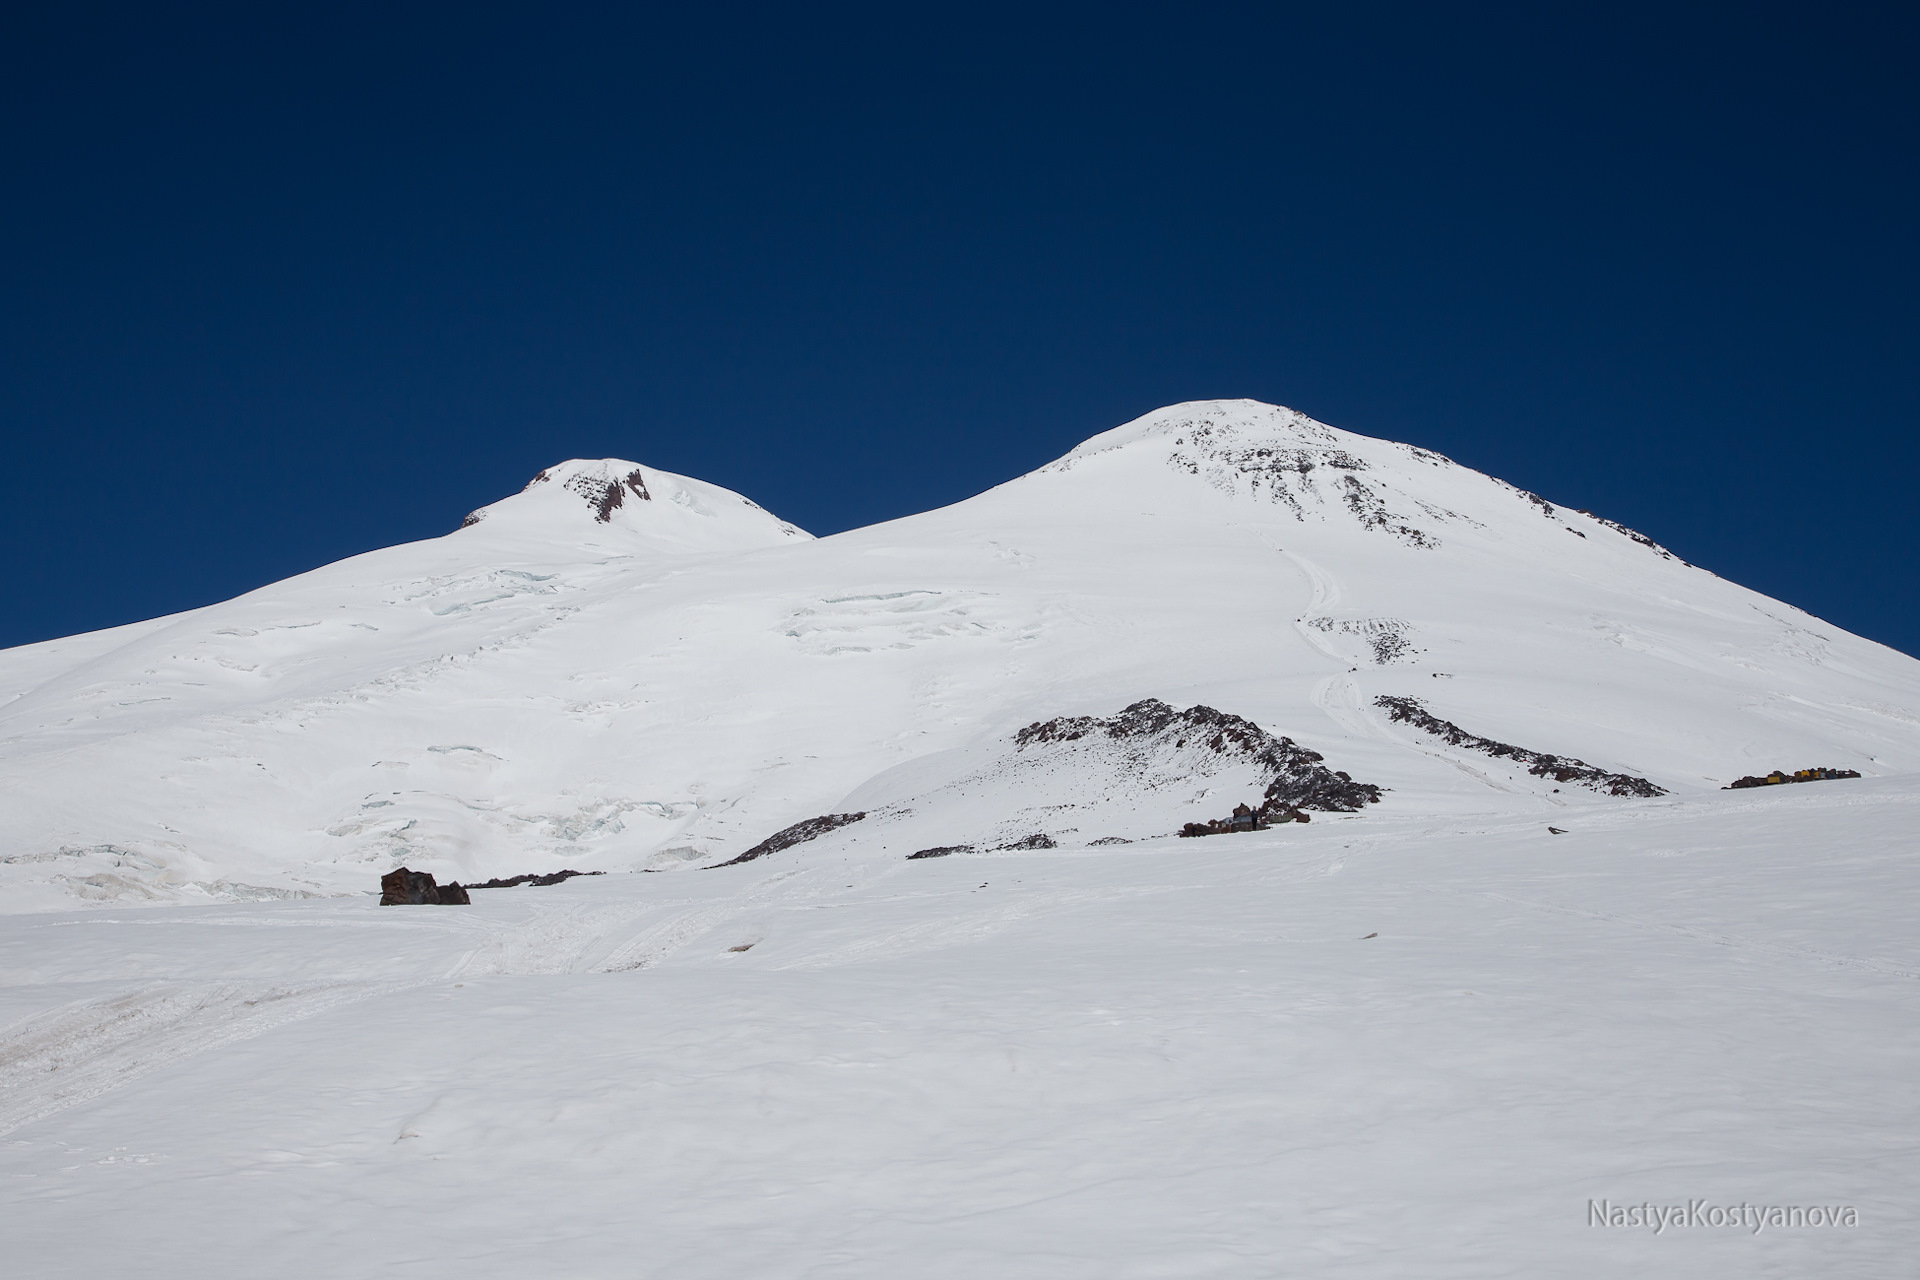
{"points": [[282, 283]]}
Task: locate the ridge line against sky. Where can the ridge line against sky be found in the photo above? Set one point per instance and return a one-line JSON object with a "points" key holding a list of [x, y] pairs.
{"points": [[287, 286]]}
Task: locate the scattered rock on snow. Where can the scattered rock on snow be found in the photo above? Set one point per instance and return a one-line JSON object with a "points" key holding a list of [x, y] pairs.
{"points": [[1055, 778], [1247, 819], [552, 877], [1560, 768], [798, 833], [1388, 638], [1297, 778], [1777, 778]]}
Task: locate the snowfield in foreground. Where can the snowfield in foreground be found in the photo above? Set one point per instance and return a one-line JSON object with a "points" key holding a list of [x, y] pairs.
{"points": [[1179, 1058], [1509, 972]]}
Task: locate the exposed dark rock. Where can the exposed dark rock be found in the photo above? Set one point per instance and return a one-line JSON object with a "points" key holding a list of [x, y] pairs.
{"points": [[1216, 451], [941, 851], [1298, 779], [402, 888], [638, 483], [1387, 637], [1542, 765], [604, 496], [1778, 778], [452, 895], [1038, 840], [1546, 508], [798, 833], [1555, 831], [1637, 536], [1246, 819], [473, 518], [1225, 454], [1372, 513], [1105, 840], [551, 877]]}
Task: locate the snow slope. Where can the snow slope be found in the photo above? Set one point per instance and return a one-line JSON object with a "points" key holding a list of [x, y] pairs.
{"points": [[1375, 1046], [1418, 1036], [594, 678]]}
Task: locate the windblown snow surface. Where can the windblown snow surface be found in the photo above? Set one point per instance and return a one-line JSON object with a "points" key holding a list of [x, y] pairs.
{"points": [[1517, 987]]}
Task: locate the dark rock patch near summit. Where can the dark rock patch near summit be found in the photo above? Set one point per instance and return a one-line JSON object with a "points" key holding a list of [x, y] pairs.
{"points": [[798, 833], [1633, 534], [1542, 765], [604, 496]]}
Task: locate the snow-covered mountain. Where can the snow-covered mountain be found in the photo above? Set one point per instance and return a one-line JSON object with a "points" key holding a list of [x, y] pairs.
{"points": [[955, 1002], [619, 669]]}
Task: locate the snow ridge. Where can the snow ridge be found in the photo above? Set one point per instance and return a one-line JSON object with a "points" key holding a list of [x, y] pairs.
{"points": [[1150, 734], [1539, 763]]}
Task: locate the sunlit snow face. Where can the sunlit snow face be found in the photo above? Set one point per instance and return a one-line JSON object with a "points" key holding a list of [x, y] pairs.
{"points": [[669, 685]]}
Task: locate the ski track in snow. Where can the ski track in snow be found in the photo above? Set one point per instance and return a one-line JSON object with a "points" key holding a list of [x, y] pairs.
{"points": [[72, 1055], [1059, 1053], [1339, 695]]}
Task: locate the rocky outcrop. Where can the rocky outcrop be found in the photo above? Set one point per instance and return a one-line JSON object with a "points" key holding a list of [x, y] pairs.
{"points": [[1389, 638], [941, 851], [1539, 763], [1778, 778], [1289, 459], [403, 888], [1245, 818], [410, 888], [1633, 534], [603, 493], [552, 877], [787, 837], [1297, 778]]}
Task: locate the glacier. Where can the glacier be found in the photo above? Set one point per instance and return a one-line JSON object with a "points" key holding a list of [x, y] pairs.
{"points": [[1414, 1035]]}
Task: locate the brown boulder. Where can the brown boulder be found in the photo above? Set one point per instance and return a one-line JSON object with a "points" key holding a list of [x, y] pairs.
{"points": [[412, 888]]}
